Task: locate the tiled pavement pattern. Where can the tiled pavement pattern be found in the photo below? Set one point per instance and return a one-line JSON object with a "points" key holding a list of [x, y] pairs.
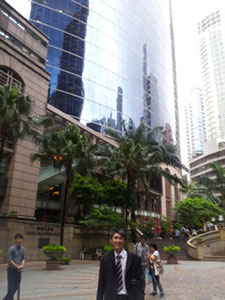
{"points": [[189, 280]]}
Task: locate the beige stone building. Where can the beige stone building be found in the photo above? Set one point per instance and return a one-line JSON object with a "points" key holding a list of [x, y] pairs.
{"points": [[23, 50]]}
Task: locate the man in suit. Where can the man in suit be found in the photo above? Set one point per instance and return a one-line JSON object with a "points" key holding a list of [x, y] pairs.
{"points": [[120, 275]]}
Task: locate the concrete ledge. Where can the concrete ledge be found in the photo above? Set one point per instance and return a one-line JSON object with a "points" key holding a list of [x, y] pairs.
{"points": [[211, 246]]}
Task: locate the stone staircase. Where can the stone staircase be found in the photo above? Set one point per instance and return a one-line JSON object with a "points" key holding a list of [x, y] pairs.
{"points": [[214, 258], [181, 255]]}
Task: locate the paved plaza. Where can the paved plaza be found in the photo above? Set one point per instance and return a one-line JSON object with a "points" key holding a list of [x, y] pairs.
{"points": [[189, 280]]}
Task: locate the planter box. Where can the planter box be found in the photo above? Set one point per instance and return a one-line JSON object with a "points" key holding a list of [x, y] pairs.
{"points": [[53, 265], [54, 255], [172, 260]]}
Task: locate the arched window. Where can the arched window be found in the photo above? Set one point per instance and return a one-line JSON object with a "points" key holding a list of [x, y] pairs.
{"points": [[10, 77]]}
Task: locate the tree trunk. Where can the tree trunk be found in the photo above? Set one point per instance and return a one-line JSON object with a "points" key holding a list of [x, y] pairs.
{"points": [[64, 205], [127, 199], [131, 203], [2, 149]]}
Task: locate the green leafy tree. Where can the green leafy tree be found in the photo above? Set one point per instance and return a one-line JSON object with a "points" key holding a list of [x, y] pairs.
{"points": [[16, 120], [114, 192], [104, 218], [165, 227], [194, 212], [62, 149], [85, 191], [147, 227]]}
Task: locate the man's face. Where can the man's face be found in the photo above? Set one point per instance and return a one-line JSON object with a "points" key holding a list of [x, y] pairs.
{"points": [[118, 242], [142, 242], [19, 241]]}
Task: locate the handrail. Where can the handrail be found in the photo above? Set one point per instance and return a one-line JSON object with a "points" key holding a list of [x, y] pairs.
{"points": [[199, 247], [195, 238]]}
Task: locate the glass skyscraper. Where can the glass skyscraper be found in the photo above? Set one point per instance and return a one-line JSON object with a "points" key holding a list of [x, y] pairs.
{"points": [[212, 54], [111, 60], [195, 124]]}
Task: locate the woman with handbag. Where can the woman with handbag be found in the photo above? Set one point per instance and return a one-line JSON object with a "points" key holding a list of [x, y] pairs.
{"points": [[155, 268]]}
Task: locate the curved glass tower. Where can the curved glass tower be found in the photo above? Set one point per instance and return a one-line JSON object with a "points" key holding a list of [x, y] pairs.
{"points": [[111, 60]]}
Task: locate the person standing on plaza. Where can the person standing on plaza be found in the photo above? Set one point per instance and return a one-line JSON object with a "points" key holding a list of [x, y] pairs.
{"points": [[154, 263], [16, 261], [120, 274], [141, 249], [99, 253], [177, 235]]}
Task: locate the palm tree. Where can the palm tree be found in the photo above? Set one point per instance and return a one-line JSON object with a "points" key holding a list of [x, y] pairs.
{"points": [[216, 185], [63, 149], [15, 117], [89, 160], [139, 157], [198, 190], [15, 109]]}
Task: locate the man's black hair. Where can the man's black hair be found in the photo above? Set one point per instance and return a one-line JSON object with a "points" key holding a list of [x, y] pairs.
{"points": [[153, 245], [18, 236], [119, 231]]}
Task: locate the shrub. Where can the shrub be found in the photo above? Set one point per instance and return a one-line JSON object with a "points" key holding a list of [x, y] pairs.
{"points": [[64, 260], [107, 248], [147, 227], [171, 249], [165, 227], [54, 248]]}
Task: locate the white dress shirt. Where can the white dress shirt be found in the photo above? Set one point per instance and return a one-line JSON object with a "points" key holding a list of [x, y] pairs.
{"points": [[124, 263]]}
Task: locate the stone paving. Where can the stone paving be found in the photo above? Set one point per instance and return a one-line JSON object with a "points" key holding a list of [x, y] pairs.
{"points": [[189, 280]]}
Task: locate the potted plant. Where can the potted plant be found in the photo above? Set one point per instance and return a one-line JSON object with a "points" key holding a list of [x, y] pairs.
{"points": [[70, 220], [65, 260], [171, 250], [107, 248], [54, 252]]}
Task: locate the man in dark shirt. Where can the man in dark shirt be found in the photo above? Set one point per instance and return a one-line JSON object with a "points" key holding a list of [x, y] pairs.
{"points": [[16, 260]]}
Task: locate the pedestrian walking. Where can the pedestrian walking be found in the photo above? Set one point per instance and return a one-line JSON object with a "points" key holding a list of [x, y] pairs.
{"points": [[141, 249], [120, 274], [193, 232], [99, 253], [16, 260], [81, 256], [154, 263], [177, 235]]}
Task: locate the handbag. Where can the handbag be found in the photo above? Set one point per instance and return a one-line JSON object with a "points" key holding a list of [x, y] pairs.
{"points": [[159, 267]]}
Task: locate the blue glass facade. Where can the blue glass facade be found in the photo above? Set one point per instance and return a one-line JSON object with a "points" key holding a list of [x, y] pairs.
{"points": [[111, 60]]}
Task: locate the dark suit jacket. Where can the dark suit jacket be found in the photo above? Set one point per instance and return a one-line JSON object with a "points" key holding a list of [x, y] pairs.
{"points": [[134, 277]]}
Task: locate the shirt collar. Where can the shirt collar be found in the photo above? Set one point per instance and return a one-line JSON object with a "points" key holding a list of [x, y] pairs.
{"points": [[123, 253]]}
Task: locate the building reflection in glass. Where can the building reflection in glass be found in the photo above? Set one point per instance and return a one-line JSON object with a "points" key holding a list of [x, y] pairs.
{"points": [[151, 97], [66, 50], [111, 61]]}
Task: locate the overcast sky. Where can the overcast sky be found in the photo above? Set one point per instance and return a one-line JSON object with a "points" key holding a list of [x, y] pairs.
{"points": [[186, 14]]}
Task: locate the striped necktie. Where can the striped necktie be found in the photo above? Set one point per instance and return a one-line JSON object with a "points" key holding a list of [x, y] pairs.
{"points": [[119, 273]]}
